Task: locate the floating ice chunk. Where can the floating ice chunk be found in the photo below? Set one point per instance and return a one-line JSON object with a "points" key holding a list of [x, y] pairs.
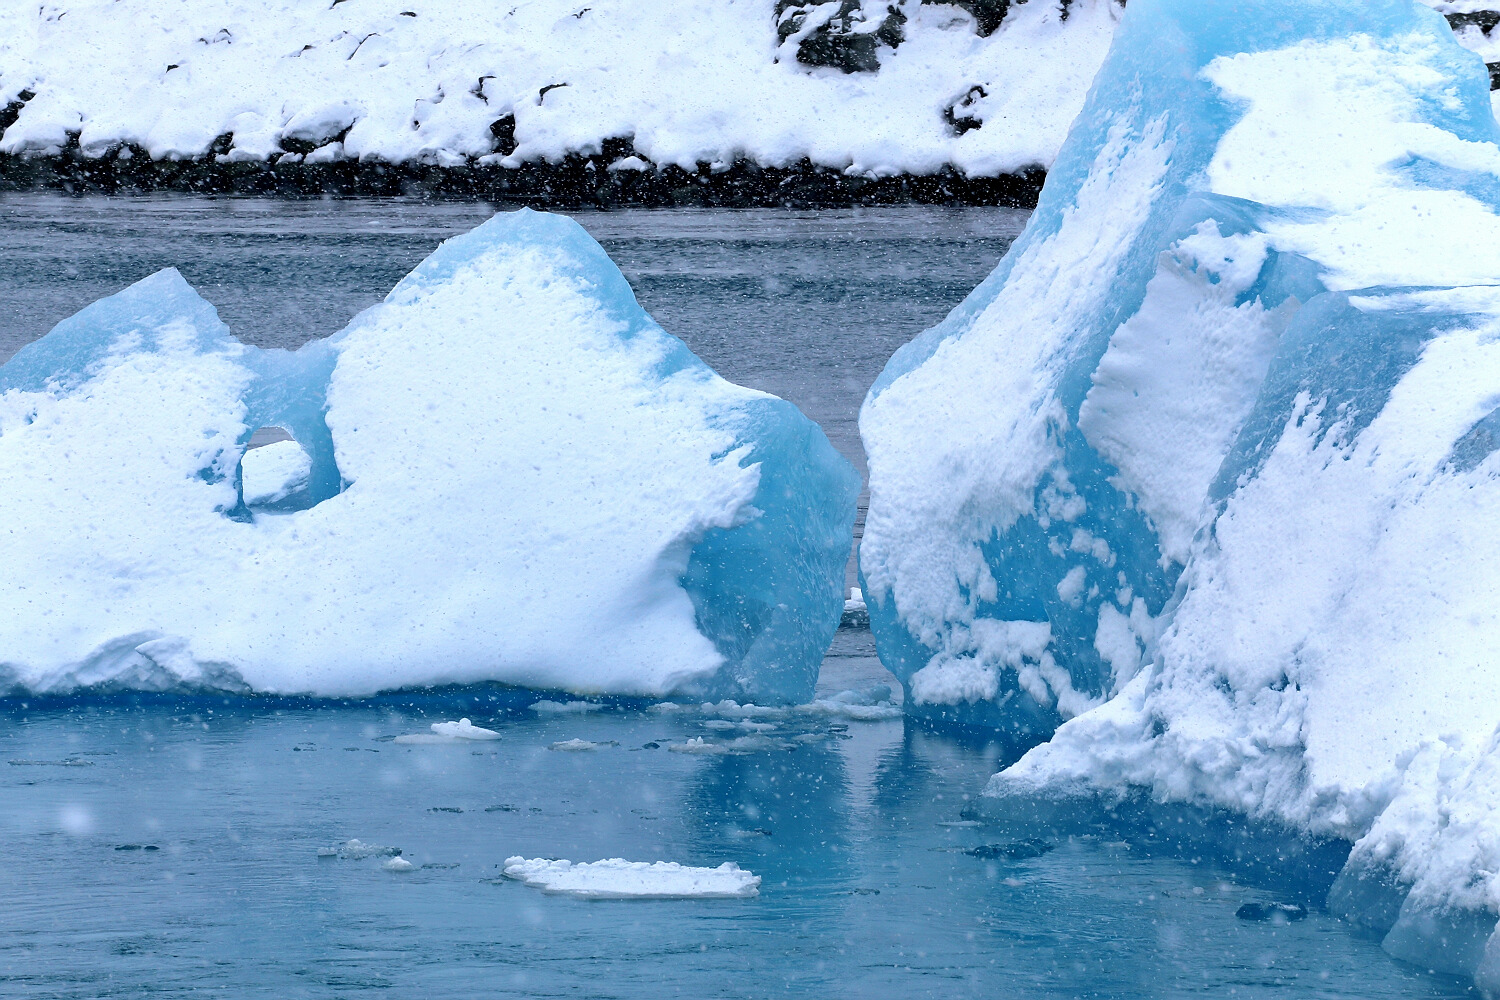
{"points": [[399, 864], [617, 878], [871, 705], [463, 729], [355, 850], [545, 707], [514, 475], [739, 745], [273, 473], [577, 746]]}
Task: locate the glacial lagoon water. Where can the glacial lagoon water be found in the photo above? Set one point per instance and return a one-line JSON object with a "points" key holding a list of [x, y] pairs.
{"points": [[170, 846]]}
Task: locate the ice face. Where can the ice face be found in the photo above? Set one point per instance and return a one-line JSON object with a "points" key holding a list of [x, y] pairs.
{"points": [[1206, 465], [1042, 461], [512, 474]]}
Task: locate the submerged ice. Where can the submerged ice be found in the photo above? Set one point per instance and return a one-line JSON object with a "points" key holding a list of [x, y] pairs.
{"points": [[504, 472], [1208, 465]]}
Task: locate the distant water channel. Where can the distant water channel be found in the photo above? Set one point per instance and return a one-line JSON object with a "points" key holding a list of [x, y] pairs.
{"points": [[169, 846]]}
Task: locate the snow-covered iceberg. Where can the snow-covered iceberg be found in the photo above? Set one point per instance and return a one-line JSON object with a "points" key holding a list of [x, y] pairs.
{"points": [[504, 472], [1044, 462], [1209, 463]]}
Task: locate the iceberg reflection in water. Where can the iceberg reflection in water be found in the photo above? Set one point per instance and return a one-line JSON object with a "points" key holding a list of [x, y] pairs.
{"points": [[873, 882]]}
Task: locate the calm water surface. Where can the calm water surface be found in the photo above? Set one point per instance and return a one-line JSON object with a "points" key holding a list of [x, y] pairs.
{"points": [[856, 827]]}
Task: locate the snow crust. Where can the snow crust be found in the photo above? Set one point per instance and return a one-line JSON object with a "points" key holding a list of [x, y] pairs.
{"points": [[516, 476], [1205, 466], [693, 81], [617, 878]]}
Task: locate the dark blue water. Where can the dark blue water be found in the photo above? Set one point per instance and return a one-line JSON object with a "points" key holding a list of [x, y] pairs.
{"points": [[873, 883]]}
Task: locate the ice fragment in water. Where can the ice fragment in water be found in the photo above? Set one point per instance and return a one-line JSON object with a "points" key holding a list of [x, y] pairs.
{"points": [[513, 475], [576, 746], [399, 865], [463, 729], [617, 878], [274, 472], [355, 850]]}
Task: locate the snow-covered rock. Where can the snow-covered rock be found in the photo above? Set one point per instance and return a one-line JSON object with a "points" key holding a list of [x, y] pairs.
{"points": [[515, 475], [698, 81], [1209, 463]]}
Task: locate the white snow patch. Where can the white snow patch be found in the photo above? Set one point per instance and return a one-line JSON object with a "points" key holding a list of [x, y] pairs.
{"points": [[616, 878]]}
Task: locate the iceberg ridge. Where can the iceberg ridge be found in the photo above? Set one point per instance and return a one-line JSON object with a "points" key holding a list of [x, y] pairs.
{"points": [[1201, 474], [511, 474]]}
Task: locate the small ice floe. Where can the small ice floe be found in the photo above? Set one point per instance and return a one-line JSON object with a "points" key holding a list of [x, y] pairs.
{"points": [[718, 724], [856, 613], [356, 850], [399, 864], [739, 745], [565, 707], [871, 705], [617, 878], [579, 746], [462, 731]]}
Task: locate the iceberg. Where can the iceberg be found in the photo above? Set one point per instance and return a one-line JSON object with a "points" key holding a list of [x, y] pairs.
{"points": [[505, 472], [1253, 205], [1203, 476]]}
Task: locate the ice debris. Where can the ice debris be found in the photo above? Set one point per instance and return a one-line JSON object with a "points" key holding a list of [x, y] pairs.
{"points": [[273, 473], [578, 746], [463, 729], [870, 705], [618, 520], [1207, 465], [399, 864], [449, 734], [355, 850], [617, 878]]}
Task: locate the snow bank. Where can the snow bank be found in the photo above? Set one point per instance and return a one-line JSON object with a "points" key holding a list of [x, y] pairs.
{"points": [[1207, 465], [698, 81], [515, 476], [617, 878]]}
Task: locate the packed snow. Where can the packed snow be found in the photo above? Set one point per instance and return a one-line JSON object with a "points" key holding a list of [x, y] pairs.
{"points": [[516, 476], [617, 878], [1203, 470], [405, 80]]}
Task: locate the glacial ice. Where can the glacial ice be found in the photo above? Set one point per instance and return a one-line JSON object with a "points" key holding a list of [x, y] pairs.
{"points": [[513, 475], [616, 878], [1207, 467]]}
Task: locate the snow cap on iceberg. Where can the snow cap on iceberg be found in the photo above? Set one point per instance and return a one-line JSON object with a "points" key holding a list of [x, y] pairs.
{"points": [[512, 474]]}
